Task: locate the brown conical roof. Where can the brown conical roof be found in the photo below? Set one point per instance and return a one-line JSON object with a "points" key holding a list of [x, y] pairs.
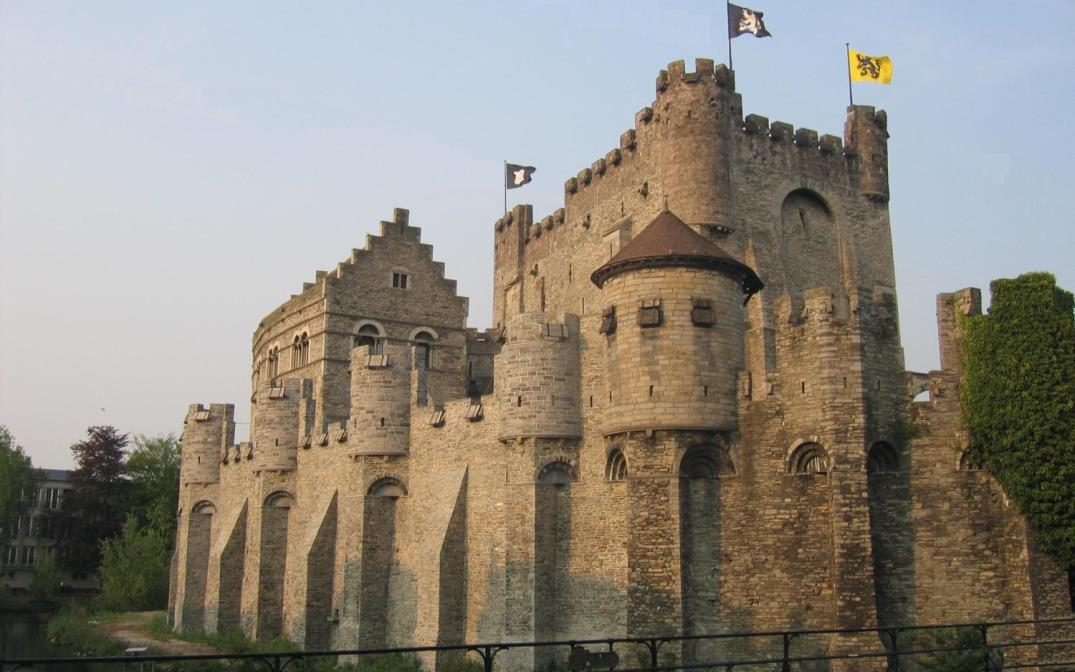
{"points": [[668, 241]]}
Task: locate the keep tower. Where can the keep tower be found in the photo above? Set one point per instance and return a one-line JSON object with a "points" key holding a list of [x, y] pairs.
{"points": [[673, 318]]}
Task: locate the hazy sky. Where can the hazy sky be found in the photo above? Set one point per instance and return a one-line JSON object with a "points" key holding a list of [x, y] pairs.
{"points": [[172, 171]]}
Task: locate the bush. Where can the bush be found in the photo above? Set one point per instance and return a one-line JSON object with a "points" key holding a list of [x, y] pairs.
{"points": [[966, 652], [134, 570]]}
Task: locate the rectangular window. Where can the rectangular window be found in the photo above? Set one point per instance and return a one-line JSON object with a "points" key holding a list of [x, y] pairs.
{"points": [[702, 313], [649, 315], [376, 361], [11, 555], [399, 280], [608, 321], [474, 412], [29, 554], [555, 330]]}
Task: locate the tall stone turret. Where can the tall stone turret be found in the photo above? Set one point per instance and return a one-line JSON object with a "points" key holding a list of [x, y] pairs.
{"points": [[537, 375], [674, 323], [866, 146], [276, 424], [693, 129], [207, 432], [380, 421]]}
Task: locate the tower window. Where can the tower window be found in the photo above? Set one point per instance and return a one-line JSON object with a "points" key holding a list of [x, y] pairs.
{"points": [[649, 315], [608, 321], [400, 280], [369, 335], [423, 350], [702, 313], [616, 467], [810, 458]]}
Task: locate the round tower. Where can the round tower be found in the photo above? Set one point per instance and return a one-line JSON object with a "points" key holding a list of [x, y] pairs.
{"points": [[380, 422], [692, 131], [674, 323], [207, 432], [537, 378], [276, 425]]}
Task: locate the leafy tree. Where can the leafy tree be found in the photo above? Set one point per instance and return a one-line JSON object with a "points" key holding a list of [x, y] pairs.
{"points": [[18, 481], [1019, 397], [153, 469], [134, 569], [959, 650], [45, 583], [95, 509]]}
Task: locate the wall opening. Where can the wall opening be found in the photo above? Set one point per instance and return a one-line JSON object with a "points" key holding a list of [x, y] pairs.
{"points": [[552, 553], [273, 565], [700, 472], [199, 536]]}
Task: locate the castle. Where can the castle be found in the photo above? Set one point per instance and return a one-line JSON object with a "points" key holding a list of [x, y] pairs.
{"points": [[692, 415]]}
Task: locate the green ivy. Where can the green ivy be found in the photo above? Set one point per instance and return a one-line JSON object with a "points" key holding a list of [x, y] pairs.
{"points": [[1019, 397]]}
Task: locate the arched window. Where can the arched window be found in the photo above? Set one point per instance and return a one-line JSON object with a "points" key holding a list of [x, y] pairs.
{"points": [[423, 349], [616, 467], [389, 487], [279, 500], [304, 349], [296, 353], [882, 458], [274, 362], [809, 458], [368, 334], [706, 461]]}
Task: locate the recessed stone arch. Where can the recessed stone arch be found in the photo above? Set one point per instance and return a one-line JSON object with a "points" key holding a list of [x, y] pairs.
{"points": [[808, 231], [882, 458], [706, 460], [275, 515], [560, 471], [199, 533], [387, 486]]}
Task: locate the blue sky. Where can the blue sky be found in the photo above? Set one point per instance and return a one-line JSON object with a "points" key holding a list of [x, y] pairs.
{"points": [[170, 172]]}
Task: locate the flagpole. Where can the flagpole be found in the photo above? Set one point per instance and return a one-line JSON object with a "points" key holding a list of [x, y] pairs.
{"points": [[727, 11], [850, 95]]}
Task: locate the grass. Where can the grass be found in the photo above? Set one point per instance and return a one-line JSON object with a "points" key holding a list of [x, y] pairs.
{"points": [[72, 629]]}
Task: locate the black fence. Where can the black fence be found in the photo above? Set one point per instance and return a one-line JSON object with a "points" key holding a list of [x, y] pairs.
{"points": [[957, 647]]}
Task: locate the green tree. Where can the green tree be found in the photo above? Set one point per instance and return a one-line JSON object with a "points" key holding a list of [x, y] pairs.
{"points": [[1019, 396], [959, 650], [45, 584], [96, 508], [153, 469], [19, 482], [134, 569]]}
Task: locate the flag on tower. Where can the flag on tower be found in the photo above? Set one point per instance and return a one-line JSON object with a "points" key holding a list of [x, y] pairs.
{"points": [[864, 68], [516, 176], [743, 20]]}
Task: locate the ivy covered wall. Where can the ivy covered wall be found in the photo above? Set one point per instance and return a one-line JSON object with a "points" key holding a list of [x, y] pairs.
{"points": [[1019, 396]]}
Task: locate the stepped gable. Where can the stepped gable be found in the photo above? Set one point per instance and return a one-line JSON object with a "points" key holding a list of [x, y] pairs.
{"points": [[668, 241]]}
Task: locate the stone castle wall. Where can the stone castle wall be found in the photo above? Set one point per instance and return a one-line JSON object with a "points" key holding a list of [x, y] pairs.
{"points": [[549, 479]]}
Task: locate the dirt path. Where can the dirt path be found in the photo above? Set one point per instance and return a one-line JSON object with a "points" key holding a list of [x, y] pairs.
{"points": [[132, 630]]}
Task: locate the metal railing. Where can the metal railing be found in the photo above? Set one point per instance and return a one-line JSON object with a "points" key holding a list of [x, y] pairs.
{"points": [[879, 648]]}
